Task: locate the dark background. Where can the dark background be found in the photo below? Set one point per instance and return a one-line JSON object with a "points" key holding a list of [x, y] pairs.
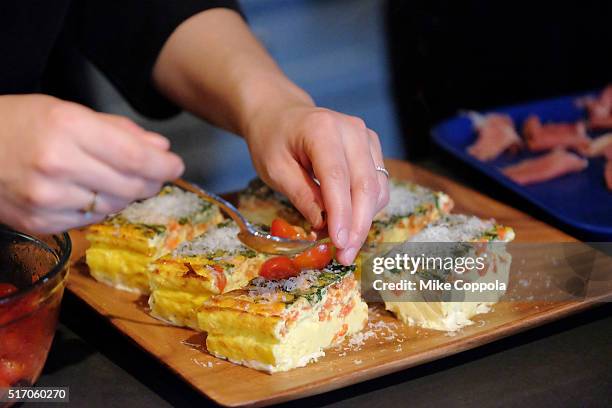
{"points": [[448, 55], [401, 66]]}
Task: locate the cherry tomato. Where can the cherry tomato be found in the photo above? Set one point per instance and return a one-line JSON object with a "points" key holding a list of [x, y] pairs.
{"points": [[6, 289], [316, 257], [279, 267], [281, 228]]}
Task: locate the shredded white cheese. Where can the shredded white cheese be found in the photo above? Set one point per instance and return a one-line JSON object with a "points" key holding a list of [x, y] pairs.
{"points": [[161, 209], [405, 199], [454, 228], [377, 330], [302, 282], [221, 238]]}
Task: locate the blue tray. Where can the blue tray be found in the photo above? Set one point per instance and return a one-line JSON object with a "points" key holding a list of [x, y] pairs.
{"points": [[580, 200]]}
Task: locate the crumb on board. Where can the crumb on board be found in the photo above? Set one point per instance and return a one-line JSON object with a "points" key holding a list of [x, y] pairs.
{"points": [[377, 329], [205, 364]]}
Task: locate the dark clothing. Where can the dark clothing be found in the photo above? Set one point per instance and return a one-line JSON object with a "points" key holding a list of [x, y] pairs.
{"points": [[121, 37], [448, 55]]}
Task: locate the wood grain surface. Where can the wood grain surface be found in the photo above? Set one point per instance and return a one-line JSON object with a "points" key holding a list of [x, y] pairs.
{"points": [[390, 346]]}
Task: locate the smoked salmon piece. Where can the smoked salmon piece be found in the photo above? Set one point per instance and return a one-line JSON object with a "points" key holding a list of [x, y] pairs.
{"points": [[547, 167], [601, 146], [495, 135], [600, 109], [601, 123], [548, 136]]}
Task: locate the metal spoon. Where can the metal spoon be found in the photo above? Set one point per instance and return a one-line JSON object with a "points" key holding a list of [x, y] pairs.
{"points": [[249, 235]]}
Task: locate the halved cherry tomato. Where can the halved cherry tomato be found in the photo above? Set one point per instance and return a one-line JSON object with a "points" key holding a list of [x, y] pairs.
{"points": [[6, 289], [282, 229], [279, 267], [316, 257]]}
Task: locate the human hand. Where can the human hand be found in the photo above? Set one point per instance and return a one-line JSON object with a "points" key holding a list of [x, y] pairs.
{"points": [[56, 154], [291, 146]]}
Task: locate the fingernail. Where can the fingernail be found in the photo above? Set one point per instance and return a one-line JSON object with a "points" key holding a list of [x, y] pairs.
{"points": [[315, 217], [350, 254], [181, 168], [158, 140], [342, 237]]}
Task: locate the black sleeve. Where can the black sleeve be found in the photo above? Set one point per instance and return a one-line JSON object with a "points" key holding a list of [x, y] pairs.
{"points": [[124, 37]]}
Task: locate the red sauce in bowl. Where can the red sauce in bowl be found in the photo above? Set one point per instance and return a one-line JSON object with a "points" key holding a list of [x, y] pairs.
{"points": [[32, 277]]}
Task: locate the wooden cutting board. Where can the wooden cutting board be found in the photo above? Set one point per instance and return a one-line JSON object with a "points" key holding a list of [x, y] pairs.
{"points": [[389, 346]]}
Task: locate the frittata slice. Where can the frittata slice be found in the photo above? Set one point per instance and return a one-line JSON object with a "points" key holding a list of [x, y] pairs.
{"points": [[215, 262], [278, 325], [456, 228], [123, 246], [411, 207], [261, 205]]}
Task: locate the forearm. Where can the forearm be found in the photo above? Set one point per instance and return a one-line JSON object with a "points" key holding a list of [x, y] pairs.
{"points": [[213, 66]]}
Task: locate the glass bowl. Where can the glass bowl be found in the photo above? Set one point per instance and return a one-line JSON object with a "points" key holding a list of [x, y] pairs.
{"points": [[33, 271]]}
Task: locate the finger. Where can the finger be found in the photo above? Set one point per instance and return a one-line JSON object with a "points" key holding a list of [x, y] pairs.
{"points": [[156, 139], [94, 175], [383, 180], [295, 182], [130, 126], [67, 219], [364, 189], [100, 203], [128, 154], [330, 168], [64, 196], [121, 121], [108, 204], [50, 222]]}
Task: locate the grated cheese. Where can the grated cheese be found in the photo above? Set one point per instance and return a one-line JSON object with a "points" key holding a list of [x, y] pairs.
{"points": [[376, 329], [221, 238], [404, 199], [454, 228], [172, 204], [302, 282]]}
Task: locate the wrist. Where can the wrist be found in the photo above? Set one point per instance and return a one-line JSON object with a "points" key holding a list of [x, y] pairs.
{"points": [[268, 102]]}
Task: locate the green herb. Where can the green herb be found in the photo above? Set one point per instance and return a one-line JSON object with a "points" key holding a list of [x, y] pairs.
{"points": [[157, 229], [248, 253]]}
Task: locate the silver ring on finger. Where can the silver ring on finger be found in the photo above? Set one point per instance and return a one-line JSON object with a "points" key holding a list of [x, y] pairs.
{"points": [[382, 170], [90, 208]]}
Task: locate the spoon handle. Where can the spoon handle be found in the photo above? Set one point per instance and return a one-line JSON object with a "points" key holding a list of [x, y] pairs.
{"points": [[225, 205]]}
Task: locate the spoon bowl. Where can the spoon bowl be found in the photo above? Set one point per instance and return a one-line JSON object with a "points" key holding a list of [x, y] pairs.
{"points": [[249, 235]]}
